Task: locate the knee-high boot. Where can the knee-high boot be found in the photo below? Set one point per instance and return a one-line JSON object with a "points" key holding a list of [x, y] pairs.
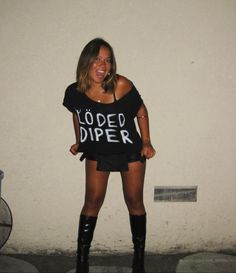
{"points": [[138, 229], [86, 228]]}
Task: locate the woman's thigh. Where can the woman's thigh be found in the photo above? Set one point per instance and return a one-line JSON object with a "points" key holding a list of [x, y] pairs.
{"points": [[96, 181], [133, 181]]}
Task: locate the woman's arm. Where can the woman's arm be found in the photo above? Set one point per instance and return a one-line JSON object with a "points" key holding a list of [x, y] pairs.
{"points": [[74, 148], [143, 122]]}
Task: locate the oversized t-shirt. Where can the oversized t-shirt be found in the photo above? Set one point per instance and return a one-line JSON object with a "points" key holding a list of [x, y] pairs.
{"points": [[107, 128]]}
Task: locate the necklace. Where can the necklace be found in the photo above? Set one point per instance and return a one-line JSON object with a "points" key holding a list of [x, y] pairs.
{"points": [[96, 93]]}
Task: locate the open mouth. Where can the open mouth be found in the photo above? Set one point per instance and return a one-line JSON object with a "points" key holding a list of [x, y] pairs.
{"points": [[100, 73]]}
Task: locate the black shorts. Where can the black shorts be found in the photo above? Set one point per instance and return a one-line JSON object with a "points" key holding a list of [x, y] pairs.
{"points": [[113, 162]]}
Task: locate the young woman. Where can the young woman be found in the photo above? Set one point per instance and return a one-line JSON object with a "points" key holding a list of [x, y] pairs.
{"points": [[104, 106]]}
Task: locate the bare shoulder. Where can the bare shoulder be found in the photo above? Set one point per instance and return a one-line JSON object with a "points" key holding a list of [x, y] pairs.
{"points": [[123, 87]]}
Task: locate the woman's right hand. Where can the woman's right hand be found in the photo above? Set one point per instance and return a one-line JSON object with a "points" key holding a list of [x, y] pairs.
{"points": [[74, 149]]}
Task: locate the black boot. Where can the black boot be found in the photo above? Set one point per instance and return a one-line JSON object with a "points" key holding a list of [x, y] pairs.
{"points": [[138, 229], [86, 228]]}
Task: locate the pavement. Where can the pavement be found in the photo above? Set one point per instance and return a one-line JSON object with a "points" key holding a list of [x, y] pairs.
{"points": [[202, 262]]}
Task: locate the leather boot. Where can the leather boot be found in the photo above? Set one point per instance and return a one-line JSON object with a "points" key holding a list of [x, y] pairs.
{"points": [[138, 229], [86, 228]]}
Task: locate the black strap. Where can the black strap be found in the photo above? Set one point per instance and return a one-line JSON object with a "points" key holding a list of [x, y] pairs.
{"points": [[114, 95]]}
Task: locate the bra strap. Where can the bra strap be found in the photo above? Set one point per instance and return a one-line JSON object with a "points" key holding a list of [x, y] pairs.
{"points": [[114, 95]]}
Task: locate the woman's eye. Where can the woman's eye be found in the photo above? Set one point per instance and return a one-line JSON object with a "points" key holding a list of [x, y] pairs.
{"points": [[97, 59]]}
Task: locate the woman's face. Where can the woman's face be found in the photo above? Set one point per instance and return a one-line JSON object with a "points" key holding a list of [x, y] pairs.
{"points": [[101, 66]]}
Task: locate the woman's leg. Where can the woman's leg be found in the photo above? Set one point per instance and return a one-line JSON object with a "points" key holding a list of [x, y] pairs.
{"points": [[95, 191], [96, 184], [133, 181]]}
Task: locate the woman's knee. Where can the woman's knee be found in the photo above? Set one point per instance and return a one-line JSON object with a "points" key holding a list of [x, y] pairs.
{"points": [[134, 203], [94, 202]]}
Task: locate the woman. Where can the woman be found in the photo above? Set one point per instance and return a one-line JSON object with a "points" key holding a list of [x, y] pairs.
{"points": [[104, 106]]}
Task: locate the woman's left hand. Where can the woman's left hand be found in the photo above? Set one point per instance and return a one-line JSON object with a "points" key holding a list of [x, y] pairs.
{"points": [[148, 151]]}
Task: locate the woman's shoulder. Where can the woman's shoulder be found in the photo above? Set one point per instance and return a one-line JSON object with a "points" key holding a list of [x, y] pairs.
{"points": [[123, 86], [72, 87], [72, 93], [72, 90]]}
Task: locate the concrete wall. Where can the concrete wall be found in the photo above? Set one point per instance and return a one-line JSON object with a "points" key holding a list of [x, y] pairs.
{"points": [[181, 56]]}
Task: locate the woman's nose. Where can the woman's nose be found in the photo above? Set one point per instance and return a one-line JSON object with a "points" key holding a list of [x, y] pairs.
{"points": [[102, 62]]}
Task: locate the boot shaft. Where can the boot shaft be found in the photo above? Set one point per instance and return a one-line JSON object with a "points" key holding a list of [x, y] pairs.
{"points": [[86, 229], [85, 235], [138, 230]]}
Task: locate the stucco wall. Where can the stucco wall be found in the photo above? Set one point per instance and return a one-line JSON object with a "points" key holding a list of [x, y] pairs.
{"points": [[181, 56]]}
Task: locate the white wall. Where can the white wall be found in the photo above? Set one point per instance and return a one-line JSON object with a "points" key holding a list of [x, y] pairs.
{"points": [[181, 56]]}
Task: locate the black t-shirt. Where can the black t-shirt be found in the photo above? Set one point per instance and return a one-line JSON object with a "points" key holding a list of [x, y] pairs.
{"points": [[106, 128]]}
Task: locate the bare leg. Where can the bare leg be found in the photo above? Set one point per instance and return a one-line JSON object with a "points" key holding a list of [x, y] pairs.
{"points": [[133, 181], [96, 185]]}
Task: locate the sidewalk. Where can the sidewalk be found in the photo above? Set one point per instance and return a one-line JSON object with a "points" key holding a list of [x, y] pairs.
{"points": [[179, 263]]}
